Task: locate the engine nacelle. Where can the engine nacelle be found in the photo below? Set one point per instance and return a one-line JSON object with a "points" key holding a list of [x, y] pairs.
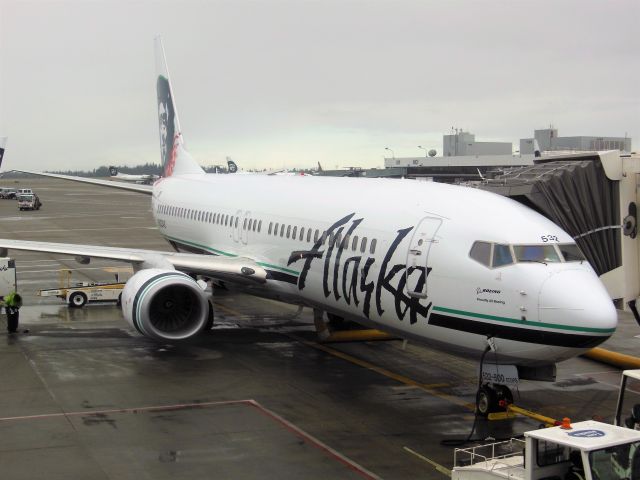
{"points": [[165, 304]]}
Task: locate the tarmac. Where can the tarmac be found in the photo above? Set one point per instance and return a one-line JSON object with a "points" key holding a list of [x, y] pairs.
{"points": [[82, 395]]}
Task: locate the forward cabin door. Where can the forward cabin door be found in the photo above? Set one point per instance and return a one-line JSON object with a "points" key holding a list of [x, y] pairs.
{"points": [[418, 256]]}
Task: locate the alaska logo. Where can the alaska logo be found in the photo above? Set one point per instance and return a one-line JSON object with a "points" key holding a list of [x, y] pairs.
{"points": [[356, 280], [480, 291]]}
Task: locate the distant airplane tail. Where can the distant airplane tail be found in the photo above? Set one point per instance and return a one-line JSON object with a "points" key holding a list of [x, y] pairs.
{"points": [[536, 149], [3, 142], [175, 158], [320, 167], [231, 165], [113, 171]]}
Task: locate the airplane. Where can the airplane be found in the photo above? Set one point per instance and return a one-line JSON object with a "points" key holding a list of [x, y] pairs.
{"points": [[3, 143], [457, 268], [140, 179]]}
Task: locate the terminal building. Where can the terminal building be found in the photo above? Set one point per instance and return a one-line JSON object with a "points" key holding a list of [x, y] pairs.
{"points": [[549, 141]]}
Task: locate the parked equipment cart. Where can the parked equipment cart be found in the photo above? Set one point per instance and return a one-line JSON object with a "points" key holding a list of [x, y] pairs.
{"points": [[78, 294]]}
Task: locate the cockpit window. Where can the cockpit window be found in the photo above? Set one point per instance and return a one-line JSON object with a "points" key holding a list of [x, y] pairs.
{"points": [[481, 252], [501, 255], [571, 253], [536, 253]]}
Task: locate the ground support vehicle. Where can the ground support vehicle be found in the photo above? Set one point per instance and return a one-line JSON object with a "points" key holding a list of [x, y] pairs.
{"points": [[77, 295], [7, 193], [586, 450], [29, 201]]}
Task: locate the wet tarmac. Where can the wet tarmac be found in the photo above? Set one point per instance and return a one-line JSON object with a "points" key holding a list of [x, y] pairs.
{"points": [[82, 395]]}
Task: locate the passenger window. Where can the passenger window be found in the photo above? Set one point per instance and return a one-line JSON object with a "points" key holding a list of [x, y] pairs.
{"points": [[345, 242], [354, 244], [501, 255], [275, 230], [288, 230], [308, 235], [301, 234], [363, 246], [295, 231], [226, 220], [259, 226], [372, 248], [236, 225], [282, 230], [316, 235], [481, 252], [244, 224], [331, 237]]}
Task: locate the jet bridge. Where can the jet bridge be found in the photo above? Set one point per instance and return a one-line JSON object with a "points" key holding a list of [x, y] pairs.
{"points": [[592, 196]]}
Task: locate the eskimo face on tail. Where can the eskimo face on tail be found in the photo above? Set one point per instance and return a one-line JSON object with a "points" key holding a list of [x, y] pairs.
{"points": [[168, 130]]}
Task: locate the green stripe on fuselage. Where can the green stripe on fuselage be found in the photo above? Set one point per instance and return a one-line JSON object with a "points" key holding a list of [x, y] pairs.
{"points": [[524, 322]]}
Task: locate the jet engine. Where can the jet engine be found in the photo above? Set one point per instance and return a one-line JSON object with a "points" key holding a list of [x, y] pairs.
{"points": [[165, 304]]}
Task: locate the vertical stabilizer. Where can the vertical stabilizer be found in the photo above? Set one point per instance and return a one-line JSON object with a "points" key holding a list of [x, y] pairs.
{"points": [[3, 142], [175, 158], [536, 149], [231, 166]]}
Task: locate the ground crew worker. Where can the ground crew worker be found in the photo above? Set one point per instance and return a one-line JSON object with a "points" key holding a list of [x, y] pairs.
{"points": [[12, 304]]}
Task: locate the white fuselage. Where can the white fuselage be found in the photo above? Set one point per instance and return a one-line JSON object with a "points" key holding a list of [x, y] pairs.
{"points": [[418, 280]]}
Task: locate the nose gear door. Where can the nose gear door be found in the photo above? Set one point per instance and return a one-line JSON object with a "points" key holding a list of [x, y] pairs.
{"points": [[418, 255]]}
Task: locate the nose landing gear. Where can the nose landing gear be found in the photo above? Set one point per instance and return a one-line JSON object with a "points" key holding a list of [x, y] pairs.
{"points": [[492, 398]]}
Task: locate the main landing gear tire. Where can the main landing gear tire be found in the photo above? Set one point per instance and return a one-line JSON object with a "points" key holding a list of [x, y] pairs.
{"points": [[488, 399], [77, 300]]}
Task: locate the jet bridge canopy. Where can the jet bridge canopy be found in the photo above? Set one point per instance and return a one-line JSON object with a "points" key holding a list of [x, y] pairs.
{"points": [[575, 194]]}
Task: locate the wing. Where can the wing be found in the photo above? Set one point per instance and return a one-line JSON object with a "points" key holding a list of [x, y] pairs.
{"points": [[238, 269], [148, 189]]}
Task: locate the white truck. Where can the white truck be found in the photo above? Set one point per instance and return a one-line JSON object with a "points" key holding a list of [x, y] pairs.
{"points": [[28, 201], [586, 450]]}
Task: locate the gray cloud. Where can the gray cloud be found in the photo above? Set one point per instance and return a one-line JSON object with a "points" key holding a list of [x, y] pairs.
{"points": [[292, 83]]}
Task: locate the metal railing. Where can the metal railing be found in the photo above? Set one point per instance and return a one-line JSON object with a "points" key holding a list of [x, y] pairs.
{"points": [[490, 452]]}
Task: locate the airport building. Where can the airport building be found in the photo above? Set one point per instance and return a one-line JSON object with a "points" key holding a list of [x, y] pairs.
{"points": [[548, 140], [463, 143]]}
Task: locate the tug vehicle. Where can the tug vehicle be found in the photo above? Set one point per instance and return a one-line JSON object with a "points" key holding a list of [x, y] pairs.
{"points": [[586, 450], [77, 295]]}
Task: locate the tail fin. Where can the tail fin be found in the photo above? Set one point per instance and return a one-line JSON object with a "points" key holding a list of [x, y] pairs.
{"points": [[231, 165], [3, 142], [536, 149], [175, 158]]}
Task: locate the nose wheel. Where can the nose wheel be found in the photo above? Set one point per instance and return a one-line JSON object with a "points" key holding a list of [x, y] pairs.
{"points": [[492, 398]]}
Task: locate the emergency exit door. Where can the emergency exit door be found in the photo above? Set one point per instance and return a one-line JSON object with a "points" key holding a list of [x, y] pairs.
{"points": [[418, 256]]}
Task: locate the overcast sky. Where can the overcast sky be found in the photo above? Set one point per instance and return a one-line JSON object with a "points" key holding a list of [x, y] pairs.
{"points": [[291, 83]]}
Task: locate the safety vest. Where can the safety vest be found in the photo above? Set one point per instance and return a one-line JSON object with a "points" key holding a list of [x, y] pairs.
{"points": [[13, 300]]}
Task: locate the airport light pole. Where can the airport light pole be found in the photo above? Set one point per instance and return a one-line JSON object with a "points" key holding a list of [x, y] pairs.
{"points": [[393, 155], [426, 154]]}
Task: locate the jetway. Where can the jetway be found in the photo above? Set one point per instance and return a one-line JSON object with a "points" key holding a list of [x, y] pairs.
{"points": [[594, 197]]}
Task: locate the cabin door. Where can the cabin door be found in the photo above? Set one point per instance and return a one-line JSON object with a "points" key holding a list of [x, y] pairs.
{"points": [[418, 256]]}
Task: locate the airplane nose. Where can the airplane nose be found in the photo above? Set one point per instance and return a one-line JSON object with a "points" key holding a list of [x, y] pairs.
{"points": [[576, 304]]}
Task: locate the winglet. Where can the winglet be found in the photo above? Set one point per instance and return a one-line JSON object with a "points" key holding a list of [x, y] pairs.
{"points": [[175, 158]]}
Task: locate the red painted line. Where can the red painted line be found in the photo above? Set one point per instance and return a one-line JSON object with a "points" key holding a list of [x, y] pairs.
{"points": [[308, 438], [314, 441]]}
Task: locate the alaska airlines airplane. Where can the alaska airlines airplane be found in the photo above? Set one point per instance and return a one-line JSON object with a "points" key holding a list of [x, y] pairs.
{"points": [[454, 267], [140, 179]]}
